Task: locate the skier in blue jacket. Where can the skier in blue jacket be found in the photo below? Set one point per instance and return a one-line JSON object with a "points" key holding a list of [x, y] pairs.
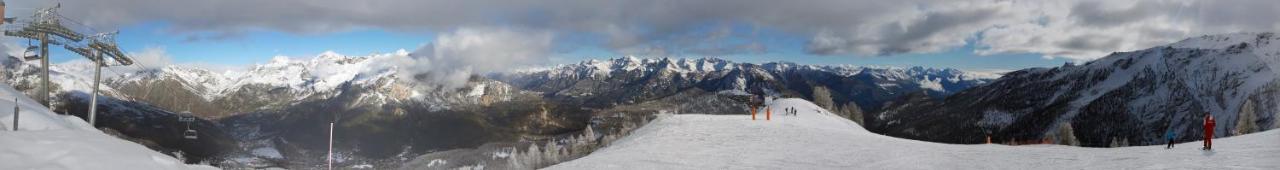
{"points": [[1169, 135]]}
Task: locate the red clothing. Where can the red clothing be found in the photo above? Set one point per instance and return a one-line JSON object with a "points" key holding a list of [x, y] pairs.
{"points": [[1208, 131]]}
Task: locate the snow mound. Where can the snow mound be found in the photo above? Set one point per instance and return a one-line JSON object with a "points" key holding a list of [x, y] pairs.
{"points": [[32, 115], [49, 141], [814, 139]]}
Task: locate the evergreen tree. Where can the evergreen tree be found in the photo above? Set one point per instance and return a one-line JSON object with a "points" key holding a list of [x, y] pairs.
{"points": [[589, 134], [180, 156], [533, 156], [513, 159], [552, 152], [1245, 121], [1065, 135], [1275, 120], [1115, 142], [627, 127], [573, 145], [609, 139]]}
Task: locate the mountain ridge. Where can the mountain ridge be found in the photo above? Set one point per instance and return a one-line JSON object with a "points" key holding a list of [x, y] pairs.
{"points": [[1151, 91]]}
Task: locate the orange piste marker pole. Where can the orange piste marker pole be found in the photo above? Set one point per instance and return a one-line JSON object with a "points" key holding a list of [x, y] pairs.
{"points": [[768, 112], [753, 112]]}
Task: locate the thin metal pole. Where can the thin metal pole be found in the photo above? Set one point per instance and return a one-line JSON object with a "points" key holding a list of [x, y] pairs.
{"points": [[15, 114], [330, 146], [97, 77]]}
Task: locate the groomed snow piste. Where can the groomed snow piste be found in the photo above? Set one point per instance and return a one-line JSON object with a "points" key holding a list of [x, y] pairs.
{"points": [[817, 140], [50, 141]]}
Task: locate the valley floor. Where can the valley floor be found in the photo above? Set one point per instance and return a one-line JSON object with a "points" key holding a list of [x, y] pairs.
{"points": [[814, 139]]}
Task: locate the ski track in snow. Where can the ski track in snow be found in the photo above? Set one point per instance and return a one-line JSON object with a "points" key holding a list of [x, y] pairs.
{"points": [[815, 140]]}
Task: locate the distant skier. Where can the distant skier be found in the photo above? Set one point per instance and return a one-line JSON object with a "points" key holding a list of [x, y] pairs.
{"points": [[1169, 136], [1208, 131]]}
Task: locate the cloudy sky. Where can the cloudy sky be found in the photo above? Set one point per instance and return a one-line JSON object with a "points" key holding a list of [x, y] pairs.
{"points": [[966, 34]]}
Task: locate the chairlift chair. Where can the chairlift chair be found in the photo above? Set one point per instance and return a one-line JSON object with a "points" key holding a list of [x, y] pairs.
{"points": [[189, 134], [188, 118], [30, 53]]}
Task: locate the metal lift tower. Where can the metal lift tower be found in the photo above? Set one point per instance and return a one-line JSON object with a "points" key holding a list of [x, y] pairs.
{"points": [[100, 45], [43, 24]]}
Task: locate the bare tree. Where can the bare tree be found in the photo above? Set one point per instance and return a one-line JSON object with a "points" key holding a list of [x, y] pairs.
{"points": [[853, 112]]}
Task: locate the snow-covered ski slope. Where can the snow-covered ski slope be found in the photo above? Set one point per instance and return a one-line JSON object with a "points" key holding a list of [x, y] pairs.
{"points": [[50, 141], [814, 140]]}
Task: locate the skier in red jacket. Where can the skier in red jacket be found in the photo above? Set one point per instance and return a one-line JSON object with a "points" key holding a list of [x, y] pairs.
{"points": [[1208, 131]]}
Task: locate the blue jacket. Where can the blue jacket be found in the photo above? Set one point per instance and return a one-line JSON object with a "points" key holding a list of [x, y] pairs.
{"points": [[1170, 135]]}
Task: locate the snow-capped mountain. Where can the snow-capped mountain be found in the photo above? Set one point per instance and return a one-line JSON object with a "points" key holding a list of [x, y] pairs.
{"points": [[850, 89], [937, 80], [285, 94], [280, 83], [1126, 97]]}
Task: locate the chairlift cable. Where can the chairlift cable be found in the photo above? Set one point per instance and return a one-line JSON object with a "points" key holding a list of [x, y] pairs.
{"points": [[77, 22]]}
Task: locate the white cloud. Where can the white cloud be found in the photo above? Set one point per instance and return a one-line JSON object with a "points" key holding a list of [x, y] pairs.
{"points": [[1085, 30], [923, 29], [1074, 29], [151, 58], [453, 57]]}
